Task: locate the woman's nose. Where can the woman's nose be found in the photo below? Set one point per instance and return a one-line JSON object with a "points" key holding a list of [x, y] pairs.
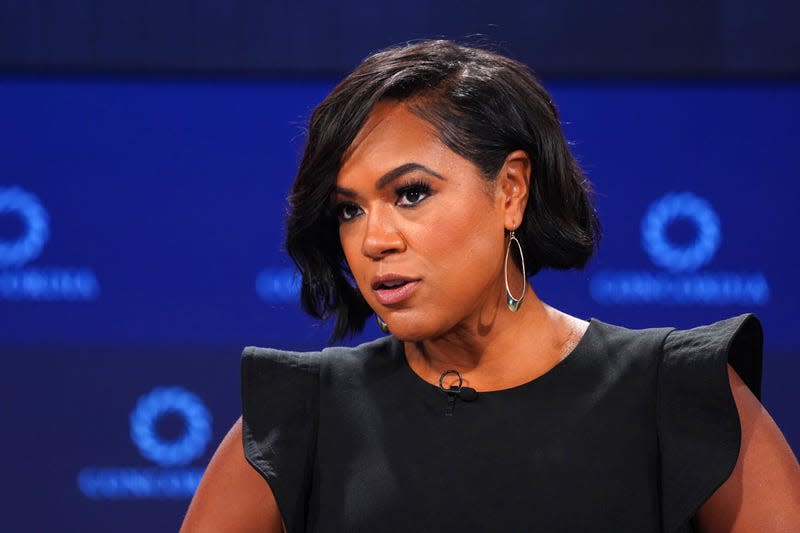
{"points": [[381, 236]]}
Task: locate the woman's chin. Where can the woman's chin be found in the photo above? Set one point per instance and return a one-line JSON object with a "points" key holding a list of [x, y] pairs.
{"points": [[407, 329]]}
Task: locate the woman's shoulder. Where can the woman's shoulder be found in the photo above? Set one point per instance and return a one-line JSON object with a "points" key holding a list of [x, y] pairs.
{"points": [[606, 337], [334, 359], [686, 376], [736, 340], [722, 327], [698, 423]]}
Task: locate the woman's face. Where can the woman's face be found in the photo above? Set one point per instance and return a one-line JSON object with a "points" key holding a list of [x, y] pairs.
{"points": [[422, 231]]}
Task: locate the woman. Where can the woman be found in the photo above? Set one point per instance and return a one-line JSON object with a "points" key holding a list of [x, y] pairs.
{"points": [[435, 180]]}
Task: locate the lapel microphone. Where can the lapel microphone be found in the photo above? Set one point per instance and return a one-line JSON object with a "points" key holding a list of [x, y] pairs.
{"points": [[456, 390]]}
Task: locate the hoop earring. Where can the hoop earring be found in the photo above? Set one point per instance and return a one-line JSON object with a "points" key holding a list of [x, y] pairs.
{"points": [[514, 303], [381, 324]]}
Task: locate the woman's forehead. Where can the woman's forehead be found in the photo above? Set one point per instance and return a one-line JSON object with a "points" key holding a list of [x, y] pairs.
{"points": [[390, 119], [391, 135]]}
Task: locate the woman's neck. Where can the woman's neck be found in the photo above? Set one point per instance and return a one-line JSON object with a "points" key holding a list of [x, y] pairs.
{"points": [[501, 352]]}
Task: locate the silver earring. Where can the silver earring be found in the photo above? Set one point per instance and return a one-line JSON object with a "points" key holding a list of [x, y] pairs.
{"points": [[381, 324], [511, 302]]}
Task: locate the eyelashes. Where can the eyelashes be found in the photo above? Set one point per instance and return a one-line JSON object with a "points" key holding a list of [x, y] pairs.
{"points": [[346, 211], [412, 194], [408, 195]]}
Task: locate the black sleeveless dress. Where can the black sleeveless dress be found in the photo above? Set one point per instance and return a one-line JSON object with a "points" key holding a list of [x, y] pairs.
{"points": [[632, 431]]}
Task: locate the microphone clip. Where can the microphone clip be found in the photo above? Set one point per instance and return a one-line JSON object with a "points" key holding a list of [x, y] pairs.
{"points": [[455, 390]]}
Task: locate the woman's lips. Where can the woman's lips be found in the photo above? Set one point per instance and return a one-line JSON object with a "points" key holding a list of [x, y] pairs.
{"points": [[393, 295]]}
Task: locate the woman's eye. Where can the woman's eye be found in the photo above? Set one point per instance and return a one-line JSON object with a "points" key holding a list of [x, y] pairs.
{"points": [[348, 211], [412, 195]]}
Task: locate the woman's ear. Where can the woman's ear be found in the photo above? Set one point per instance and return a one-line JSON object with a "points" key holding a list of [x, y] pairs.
{"points": [[513, 184]]}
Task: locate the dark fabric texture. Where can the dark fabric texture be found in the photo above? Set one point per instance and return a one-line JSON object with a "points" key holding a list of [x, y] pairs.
{"points": [[698, 424], [632, 431]]}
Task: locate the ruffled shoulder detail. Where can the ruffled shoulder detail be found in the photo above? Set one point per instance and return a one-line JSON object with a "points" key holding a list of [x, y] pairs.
{"points": [[280, 415], [698, 424]]}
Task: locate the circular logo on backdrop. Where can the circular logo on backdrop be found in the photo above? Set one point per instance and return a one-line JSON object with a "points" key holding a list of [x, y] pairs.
{"points": [[680, 257], [26, 206], [170, 400]]}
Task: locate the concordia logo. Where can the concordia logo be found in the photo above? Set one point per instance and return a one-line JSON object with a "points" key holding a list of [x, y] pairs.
{"points": [[682, 282], [18, 282], [172, 478]]}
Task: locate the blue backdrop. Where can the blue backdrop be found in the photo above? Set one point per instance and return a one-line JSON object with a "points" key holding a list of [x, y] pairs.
{"points": [[141, 224]]}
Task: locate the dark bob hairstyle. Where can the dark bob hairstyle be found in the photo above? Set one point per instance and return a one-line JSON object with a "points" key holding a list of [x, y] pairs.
{"points": [[483, 106]]}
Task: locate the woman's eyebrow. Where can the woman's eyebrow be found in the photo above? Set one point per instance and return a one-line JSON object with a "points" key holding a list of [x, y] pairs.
{"points": [[392, 175]]}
